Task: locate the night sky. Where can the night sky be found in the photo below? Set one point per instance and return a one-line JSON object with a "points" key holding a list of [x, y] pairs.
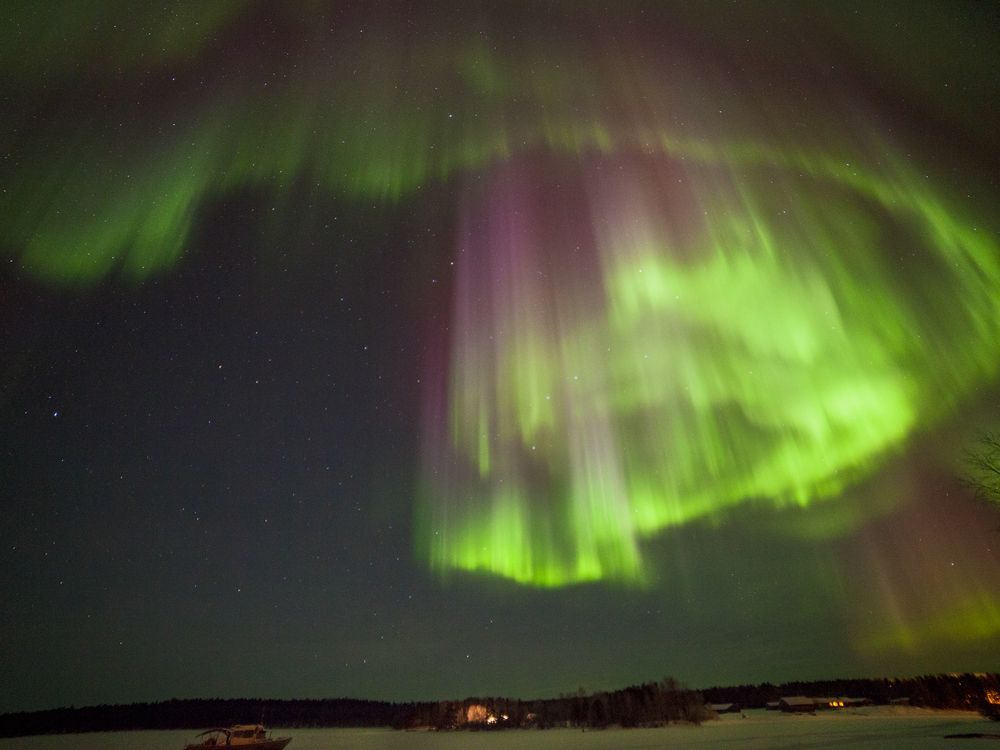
{"points": [[415, 350]]}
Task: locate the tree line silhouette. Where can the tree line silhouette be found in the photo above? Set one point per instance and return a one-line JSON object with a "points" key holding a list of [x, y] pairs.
{"points": [[961, 691], [648, 704], [200, 713]]}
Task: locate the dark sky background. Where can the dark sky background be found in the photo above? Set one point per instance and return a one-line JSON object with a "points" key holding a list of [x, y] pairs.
{"points": [[230, 259]]}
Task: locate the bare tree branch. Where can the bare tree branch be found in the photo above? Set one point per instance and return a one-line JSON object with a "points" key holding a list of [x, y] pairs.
{"points": [[982, 463]]}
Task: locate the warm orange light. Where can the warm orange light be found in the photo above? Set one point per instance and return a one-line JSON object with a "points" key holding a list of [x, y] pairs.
{"points": [[993, 697], [476, 714]]}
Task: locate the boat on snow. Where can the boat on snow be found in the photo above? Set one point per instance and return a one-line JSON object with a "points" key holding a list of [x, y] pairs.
{"points": [[244, 736]]}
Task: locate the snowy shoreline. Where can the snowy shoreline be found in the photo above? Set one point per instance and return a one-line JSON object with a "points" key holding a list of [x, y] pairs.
{"points": [[867, 728]]}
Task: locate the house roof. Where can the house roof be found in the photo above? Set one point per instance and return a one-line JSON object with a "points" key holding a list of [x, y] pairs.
{"points": [[798, 700]]}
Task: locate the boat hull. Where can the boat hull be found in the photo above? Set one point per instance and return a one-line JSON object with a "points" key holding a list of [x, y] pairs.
{"points": [[275, 744]]}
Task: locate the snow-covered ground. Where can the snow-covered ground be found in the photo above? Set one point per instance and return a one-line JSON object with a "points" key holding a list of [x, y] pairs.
{"points": [[878, 728]]}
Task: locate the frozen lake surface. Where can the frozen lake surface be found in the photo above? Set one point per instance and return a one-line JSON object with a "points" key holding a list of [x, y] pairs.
{"points": [[861, 728]]}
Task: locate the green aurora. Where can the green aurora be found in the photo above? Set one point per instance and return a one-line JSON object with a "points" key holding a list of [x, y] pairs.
{"points": [[764, 296], [749, 361]]}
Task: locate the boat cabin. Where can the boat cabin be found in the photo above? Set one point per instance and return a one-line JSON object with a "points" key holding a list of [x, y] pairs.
{"points": [[241, 734], [246, 734]]}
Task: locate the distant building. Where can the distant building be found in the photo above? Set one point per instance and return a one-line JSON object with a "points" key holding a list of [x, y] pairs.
{"points": [[725, 708], [846, 702], [803, 703], [773, 706], [797, 704]]}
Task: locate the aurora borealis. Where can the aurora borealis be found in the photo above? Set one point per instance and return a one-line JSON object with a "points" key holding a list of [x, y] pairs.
{"points": [[611, 391], [660, 325]]}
